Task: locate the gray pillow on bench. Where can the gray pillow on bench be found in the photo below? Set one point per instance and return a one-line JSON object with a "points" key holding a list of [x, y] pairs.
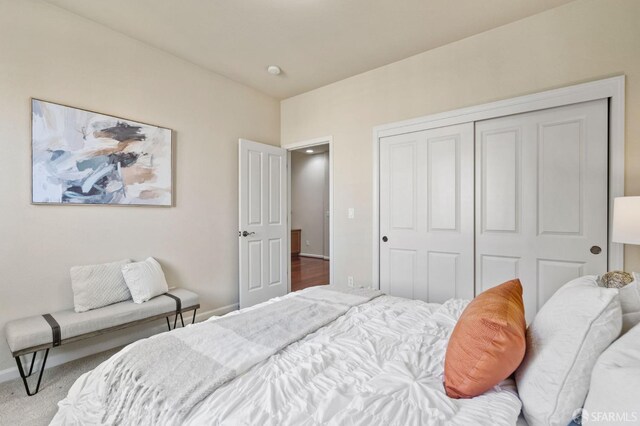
{"points": [[95, 286]]}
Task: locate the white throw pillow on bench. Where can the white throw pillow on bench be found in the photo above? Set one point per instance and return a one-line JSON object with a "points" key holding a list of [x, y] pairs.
{"points": [[145, 279], [95, 286]]}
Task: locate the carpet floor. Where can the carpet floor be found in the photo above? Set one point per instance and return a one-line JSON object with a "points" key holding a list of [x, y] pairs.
{"points": [[16, 408]]}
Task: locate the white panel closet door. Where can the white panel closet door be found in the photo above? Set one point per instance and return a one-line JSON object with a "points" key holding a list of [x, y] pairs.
{"points": [[426, 214], [541, 199]]}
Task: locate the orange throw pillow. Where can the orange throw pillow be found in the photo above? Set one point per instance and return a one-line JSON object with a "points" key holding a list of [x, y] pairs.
{"points": [[488, 342]]}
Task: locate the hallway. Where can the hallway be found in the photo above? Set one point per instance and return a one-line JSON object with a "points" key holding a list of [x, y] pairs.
{"points": [[308, 272]]}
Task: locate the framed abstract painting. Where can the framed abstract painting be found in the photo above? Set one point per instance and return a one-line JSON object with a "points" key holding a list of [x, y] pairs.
{"points": [[83, 157]]}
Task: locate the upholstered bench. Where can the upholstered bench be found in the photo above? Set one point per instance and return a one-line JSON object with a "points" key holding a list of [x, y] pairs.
{"points": [[43, 332]]}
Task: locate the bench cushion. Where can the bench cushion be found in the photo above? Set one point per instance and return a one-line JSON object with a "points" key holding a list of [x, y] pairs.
{"points": [[34, 331]]}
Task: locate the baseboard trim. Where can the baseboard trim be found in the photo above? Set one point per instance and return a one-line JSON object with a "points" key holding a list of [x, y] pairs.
{"points": [[63, 356], [315, 256]]}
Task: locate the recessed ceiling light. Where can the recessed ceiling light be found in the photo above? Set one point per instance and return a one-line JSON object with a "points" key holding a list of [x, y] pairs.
{"points": [[309, 151], [274, 70]]}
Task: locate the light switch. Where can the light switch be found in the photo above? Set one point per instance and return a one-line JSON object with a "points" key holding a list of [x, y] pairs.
{"points": [[351, 212]]}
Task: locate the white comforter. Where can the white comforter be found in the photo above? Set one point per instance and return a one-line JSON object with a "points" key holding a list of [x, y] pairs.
{"points": [[380, 364]]}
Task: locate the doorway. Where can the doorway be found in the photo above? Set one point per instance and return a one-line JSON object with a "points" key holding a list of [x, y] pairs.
{"points": [[310, 196]]}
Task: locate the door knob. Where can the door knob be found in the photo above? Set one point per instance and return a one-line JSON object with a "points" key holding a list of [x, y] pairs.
{"points": [[595, 250], [385, 239], [245, 233]]}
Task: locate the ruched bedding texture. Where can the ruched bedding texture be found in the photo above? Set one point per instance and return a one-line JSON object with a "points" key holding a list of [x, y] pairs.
{"points": [[379, 364]]}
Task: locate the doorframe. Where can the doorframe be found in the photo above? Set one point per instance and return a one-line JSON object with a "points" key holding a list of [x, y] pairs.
{"points": [[612, 88], [324, 140]]}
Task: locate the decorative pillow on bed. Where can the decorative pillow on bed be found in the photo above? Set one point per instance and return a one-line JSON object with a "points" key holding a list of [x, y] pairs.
{"points": [[615, 279], [95, 286], [487, 343], [615, 382], [630, 303], [145, 279], [563, 343]]}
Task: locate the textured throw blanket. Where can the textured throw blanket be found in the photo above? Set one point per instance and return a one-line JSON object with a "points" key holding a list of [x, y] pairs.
{"points": [[162, 378]]}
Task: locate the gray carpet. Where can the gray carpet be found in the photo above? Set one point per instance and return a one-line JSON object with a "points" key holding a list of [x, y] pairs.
{"points": [[16, 408]]}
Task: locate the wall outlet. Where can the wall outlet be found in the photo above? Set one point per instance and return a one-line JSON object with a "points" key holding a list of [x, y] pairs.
{"points": [[307, 243], [351, 213], [350, 281]]}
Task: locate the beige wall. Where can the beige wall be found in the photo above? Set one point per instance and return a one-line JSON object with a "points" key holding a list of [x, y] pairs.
{"points": [[53, 55], [309, 193], [584, 40]]}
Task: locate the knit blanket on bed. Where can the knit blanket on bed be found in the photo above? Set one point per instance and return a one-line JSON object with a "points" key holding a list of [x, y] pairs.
{"points": [[159, 380]]}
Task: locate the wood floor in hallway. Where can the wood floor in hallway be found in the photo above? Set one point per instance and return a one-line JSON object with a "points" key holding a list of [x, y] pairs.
{"points": [[308, 271]]}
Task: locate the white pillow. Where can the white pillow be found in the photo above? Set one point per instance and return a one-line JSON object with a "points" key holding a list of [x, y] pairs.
{"points": [[145, 279], [95, 286], [615, 382], [630, 303], [564, 341]]}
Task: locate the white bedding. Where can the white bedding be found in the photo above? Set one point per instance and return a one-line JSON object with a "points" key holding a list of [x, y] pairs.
{"points": [[380, 364]]}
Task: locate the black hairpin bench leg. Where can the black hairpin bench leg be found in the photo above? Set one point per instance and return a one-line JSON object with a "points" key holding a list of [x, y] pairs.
{"points": [[24, 376], [33, 361], [175, 321]]}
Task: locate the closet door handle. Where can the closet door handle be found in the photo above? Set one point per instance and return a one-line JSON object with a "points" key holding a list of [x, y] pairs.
{"points": [[385, 239], [595, 250]]}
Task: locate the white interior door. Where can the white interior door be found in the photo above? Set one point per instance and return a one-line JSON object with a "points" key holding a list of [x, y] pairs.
{"points": [[263, 222], [541, 199], [426, 214]]}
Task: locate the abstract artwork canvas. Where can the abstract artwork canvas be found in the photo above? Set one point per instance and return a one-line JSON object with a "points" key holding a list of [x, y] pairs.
{"points": [[82, 157]]}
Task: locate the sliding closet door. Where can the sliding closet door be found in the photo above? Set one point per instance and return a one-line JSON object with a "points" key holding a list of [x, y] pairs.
{"points": [[541, 199], [426, 214]]}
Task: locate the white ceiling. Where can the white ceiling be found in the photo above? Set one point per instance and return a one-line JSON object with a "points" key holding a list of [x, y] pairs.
{"points": [[315, 42]]}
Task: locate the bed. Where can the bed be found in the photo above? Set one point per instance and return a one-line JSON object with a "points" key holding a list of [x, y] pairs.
{"points": [[377, 362]]}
